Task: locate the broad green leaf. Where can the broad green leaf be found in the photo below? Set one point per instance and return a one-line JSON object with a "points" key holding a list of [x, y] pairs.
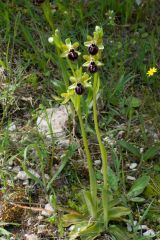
{"points": [[134, 150], [96, 84], [78, 228], [117, 212], [119, 233], [138, 186], [133, 102], [137, 199], [151, 152], [89, 202], [113, 179], [92, 231], [72, 219], [4, 232]]}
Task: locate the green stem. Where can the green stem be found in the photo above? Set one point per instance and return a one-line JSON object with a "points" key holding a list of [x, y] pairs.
{"points": [[103, 153], [92, 177], [71, 67]]}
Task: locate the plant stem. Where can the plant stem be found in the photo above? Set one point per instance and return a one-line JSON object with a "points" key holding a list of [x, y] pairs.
{"points": [[103, 153], [92, 177]]}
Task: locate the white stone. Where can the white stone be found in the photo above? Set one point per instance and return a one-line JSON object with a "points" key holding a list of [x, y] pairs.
{"points": [[26, 182], [97, 162], [21, 176], [16, 169], [56, 119], [34, 173], [50, 39], [40, 217], [131, 178], [31, 237], [149, 232], [49, 210], [142, 227], [133, 165], [12, 127], [41, 229], [71, 228]]}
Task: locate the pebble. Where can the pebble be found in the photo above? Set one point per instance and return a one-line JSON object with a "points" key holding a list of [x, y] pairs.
{"points": [[133, 165], [31, 237], [97, 162], [34, 173], [131, 178], [22, 176], [40, 217], [149, 232], [16, 169], [41, 229], [26, 182], [49, 211], [57, 119], [12, 127]]}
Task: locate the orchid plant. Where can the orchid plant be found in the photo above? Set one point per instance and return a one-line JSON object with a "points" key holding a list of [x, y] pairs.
{"points": [[100, 209]]}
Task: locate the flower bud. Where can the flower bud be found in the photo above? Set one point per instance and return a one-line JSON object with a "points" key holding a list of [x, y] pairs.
{"points": [[93, 49], [72, 55], [92, 67], [79, 89]]}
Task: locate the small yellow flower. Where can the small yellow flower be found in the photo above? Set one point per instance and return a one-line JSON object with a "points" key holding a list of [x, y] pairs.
{"points": [[151, 71]]}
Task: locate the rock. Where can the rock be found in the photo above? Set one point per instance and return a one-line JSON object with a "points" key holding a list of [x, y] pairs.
{"points": [[49, 210], [16, 169], [71, 228], [133, 165], [41, 229], [31, 237], [54, 120], [34, 173], [40, 218], [97, 162], [22, 176], [12, 127], [131, 178], [149, 232], [26, 182]]}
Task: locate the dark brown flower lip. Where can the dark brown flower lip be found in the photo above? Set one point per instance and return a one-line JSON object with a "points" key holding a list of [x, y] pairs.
{"points": [[72, 55], [79, 89], [92, 68], [38, 2], [93, 49]]}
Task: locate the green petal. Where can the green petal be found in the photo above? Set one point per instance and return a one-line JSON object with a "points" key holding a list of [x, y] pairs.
{"points": [[72, 86], [86, 57], [75, 45], [64, 54], [88, 43], [72, 79], [68, 42], [86, 64], [99, 63]]}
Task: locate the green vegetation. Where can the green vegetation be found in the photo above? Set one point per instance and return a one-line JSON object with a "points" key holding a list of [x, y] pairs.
{"points": [[101, 60]]}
